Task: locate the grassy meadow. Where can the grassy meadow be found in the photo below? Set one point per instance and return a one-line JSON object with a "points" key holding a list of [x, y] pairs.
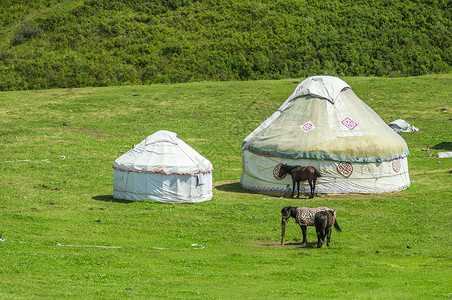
{"points": [[63, 234]]}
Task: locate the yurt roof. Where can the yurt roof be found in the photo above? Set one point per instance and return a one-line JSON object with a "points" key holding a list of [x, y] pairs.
{"points": [[326, 87], [324, 119], [163, 152]]}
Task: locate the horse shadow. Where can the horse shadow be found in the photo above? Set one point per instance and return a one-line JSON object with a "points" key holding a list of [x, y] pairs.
{"points": [[109, 198]]}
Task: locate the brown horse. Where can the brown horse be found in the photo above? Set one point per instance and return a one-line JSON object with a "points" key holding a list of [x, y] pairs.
{"points": [[323, 221], [300, 173]]}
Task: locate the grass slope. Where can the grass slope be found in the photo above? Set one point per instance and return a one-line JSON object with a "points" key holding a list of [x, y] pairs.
{"points": [[56, 211], [75, 43]]}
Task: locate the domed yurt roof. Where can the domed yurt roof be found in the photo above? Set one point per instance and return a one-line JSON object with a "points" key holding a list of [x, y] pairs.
{"points": [[324, 119], [163, 152]]}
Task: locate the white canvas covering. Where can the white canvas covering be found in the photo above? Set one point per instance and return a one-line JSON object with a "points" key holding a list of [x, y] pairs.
{"points": [[400, 125], [163, 168], [325, 125]]}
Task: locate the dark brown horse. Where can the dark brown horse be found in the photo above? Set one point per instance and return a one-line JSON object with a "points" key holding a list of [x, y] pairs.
{"points": [[300, 173], [323, 221]]}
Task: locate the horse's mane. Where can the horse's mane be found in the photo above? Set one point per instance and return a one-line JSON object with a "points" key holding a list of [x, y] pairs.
{"points": [[288, 168]]}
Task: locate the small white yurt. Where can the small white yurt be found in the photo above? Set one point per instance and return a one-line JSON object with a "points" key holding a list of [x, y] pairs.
{"points": [[163, 168], [325, 125]]}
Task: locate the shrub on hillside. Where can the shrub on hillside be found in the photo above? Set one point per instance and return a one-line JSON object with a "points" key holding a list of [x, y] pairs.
{"points": [[25, 32], [111, 42]]}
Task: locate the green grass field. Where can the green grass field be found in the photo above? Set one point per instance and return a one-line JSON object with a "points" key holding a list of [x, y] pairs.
{"points": [[65, 236]]}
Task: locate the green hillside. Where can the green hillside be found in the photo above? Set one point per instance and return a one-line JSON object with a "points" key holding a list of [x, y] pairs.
{"points": [[76, 43]]}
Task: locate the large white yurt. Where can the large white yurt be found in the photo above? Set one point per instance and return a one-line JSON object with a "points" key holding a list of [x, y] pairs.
{"points": [[163, 168], [325, 125]]}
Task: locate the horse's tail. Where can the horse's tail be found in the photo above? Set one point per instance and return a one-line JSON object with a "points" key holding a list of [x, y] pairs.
{"points": [[317, 173], [336, 225]]}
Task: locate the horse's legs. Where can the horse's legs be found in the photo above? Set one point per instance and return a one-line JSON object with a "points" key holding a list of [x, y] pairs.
{"points": [[298, 189], [293, 189], [313, 186], [311, 195], [328, 235], [319, 237], [303, 230]]}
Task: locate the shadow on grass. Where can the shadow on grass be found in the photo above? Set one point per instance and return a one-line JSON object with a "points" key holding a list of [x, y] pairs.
{"points": [[308, 245], [233, 187], [443, 146], [109, 198], [273, 244], [236, 188]]}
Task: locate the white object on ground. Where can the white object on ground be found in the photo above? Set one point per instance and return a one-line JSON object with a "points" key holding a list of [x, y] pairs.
{"points": [[445, 154], [400, 125]]}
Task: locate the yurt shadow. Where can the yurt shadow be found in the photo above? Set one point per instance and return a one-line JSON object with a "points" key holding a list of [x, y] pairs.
{"points": [[233, 187], [443, 146], [109, 198]]}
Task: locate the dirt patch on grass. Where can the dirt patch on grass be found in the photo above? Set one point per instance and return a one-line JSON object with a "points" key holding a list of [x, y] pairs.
{"points": [[264, 242], [277, 244], [75, 91], [92, 132]]}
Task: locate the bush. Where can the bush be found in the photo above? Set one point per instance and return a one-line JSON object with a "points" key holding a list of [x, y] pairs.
{"points": [[25, 32]]}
